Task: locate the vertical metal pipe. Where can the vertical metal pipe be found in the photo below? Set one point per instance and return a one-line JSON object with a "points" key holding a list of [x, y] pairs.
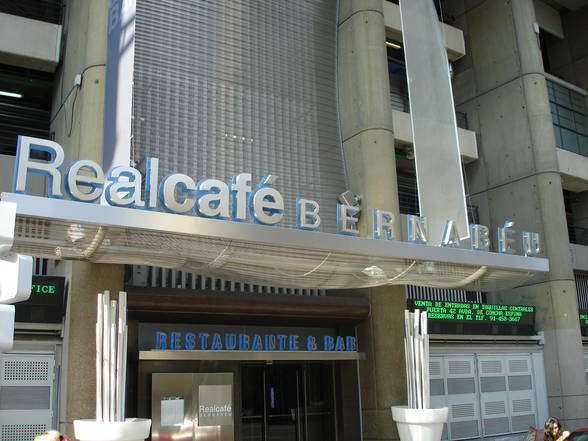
{"points": [[106, 357], [99, 345], [113, 360]]}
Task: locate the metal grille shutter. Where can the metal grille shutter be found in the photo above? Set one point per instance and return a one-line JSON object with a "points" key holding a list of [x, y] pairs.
{"points": [[506, 394], [241, 86], [487, 395], [26, 395]]}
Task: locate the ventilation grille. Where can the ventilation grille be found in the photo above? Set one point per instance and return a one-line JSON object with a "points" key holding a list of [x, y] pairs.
{"points": [[459, 367], [522, 406], [518, 366], [156, 277], [464, 410], [434, 367], [25, 370], [21, 432], [494, 408], [491, 367]]}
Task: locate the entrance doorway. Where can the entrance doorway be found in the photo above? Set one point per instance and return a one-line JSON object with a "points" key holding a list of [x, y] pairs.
{"points": [[288, 402]]}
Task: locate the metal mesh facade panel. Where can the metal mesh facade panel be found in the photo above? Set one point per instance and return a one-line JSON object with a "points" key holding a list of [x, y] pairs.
{"points": [[228, 87]]}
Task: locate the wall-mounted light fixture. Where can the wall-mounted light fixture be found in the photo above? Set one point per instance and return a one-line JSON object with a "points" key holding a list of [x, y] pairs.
{"points": [[349, 198]]}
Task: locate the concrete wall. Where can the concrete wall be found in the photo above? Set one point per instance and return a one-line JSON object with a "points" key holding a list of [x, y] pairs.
{"points": [[499, 83], [579, 255], [548, 18], [454, 41], [468, 148], [574, 170], [29, 43]]}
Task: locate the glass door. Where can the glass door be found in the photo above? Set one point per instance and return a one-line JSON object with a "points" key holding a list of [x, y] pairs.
{"points": [[283, 403], [287, 402]]}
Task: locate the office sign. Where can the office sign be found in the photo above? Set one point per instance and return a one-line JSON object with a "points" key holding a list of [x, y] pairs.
{"points": [[46, 303]]}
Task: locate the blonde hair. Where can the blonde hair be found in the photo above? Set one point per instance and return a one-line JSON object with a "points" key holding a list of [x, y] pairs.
{"points": [[50, 435]]}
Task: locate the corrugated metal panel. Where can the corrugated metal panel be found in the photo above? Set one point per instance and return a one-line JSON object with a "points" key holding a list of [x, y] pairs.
{"points": [[228, 87], [448, 295], [582, 290], [156, 277]]}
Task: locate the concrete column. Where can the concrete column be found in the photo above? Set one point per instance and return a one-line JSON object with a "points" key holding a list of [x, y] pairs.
{"points": [[368, 143], [364, 107], [517, 178], [79, 390], [77, 124]]}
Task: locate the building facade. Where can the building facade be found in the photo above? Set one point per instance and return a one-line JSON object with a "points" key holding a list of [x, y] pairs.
{"points": [[316, 93]]}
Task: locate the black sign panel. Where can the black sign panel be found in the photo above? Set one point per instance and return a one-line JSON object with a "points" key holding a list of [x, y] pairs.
{"points": [[584, 322], [47, 301], [446, 317]]}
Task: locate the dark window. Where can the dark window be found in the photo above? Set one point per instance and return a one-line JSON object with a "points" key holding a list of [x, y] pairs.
{"points": [[25, 105], [43, 10]]}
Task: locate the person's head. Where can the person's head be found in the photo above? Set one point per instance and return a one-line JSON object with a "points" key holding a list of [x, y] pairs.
{"points": [[50, 435], [552, 428]]}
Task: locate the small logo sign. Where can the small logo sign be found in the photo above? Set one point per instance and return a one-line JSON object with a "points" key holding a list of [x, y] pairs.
{"points": [[215, 405]]}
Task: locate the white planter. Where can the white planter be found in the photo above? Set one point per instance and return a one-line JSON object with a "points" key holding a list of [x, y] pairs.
{"points": [[419, 424], [133, 429]]}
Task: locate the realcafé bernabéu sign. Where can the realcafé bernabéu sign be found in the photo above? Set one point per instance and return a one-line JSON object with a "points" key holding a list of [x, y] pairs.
{"points": [[85, 181]]}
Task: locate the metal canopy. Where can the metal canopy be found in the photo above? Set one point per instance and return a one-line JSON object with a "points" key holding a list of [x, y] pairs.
{"points": [[250, 253]]}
